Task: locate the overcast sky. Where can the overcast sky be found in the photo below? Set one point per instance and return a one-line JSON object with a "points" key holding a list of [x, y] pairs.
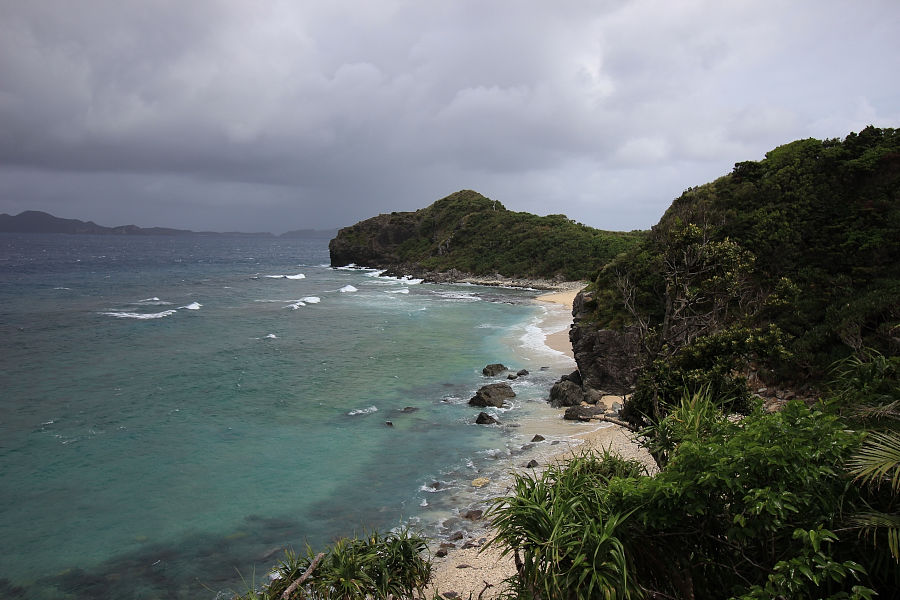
{"points": [[276, 115]]}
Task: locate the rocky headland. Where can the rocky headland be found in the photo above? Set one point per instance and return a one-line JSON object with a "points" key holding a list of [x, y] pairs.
{"points": [[467, 237]]}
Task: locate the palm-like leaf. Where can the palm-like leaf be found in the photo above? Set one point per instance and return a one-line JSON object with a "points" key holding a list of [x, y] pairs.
{"points": [[872, 523], [878, 459]]}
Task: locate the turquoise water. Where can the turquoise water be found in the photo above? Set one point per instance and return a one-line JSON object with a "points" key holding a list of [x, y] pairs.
{"points": [[175, 410]]}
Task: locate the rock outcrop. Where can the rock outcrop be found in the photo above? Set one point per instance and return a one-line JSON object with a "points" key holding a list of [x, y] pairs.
{"points": [[582, 413], [493, 370], [566, 393], [493, 394], [607, 360], [485, 419]]}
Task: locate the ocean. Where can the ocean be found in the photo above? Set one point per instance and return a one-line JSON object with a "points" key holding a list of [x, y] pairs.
{"points": [[174, 411]]}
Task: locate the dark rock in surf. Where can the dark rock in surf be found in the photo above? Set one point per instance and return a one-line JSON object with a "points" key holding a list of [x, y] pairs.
{"points": [[492, 394], [485, 419], [493, 370]]}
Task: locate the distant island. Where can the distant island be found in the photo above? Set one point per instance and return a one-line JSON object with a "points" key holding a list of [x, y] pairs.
{"points": [[35, 221]]}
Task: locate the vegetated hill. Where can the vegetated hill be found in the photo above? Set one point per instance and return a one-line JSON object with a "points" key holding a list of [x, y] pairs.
{"points": [[475, 235], [788, 264]]}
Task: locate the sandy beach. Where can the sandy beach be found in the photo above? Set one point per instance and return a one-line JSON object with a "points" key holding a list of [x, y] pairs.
{"points": [[559, 340], [467, 571]]}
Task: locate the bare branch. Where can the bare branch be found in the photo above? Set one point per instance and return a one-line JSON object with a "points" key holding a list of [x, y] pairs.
{"points": [[299, 581]]}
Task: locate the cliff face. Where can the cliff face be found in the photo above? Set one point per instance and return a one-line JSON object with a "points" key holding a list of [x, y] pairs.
{"points": [[608, 360], [374, 242], [474, 235]]}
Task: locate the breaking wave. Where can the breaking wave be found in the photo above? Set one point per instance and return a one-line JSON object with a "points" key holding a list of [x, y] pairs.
{"points": [[140, 316]]}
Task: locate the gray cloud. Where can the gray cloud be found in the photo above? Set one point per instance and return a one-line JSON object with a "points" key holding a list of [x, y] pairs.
{"points": [[234, 115]]}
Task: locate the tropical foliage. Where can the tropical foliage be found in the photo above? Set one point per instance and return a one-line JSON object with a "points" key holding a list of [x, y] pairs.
{"points": [[792, 262], [757, 507], [378, 566]]}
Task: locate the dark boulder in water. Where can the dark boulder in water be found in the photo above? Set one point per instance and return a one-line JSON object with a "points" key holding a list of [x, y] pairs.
{"points": [[493, 370], [485, 419], [522, 372], [492, 394]]}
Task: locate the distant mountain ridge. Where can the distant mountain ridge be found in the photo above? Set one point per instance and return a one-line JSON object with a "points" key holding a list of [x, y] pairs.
{"points": [[35, 221]]}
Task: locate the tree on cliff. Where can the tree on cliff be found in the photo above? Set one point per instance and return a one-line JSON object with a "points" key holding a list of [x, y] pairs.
{"points": [[792, 262]]}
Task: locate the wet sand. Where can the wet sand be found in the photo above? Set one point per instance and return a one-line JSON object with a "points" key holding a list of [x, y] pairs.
{"points": [[559, 340]]}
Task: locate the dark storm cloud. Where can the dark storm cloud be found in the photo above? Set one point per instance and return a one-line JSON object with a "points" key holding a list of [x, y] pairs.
{"points": [[273, 115]]}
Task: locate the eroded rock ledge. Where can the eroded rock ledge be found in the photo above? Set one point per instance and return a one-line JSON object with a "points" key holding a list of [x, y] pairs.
{"points": [[608, 360]]}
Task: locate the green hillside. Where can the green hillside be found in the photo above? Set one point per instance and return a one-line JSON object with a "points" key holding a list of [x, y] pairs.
{"points": [[804, 244], [473, 234]]}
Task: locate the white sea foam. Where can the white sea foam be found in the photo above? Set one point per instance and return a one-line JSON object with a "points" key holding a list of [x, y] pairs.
{"points": [[62, 288], [348, 288], [400, 291], [275, 276], [141, 316], [310, 299], [431, 489], [154, 301], [297, 276], [192, 306], [535, 337], [406, 279], [363, 411], [295, 305], [271, 336], [458, 296]]}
